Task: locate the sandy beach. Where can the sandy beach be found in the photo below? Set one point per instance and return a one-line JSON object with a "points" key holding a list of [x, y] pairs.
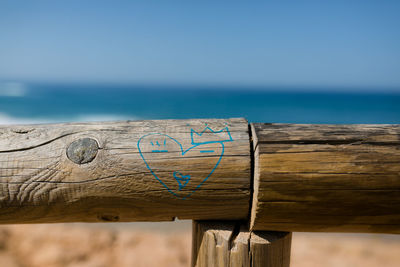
{"points": [[169, 244]]}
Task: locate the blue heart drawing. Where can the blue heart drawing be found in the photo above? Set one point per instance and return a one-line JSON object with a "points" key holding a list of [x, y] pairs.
{"points": [[154, 147]]}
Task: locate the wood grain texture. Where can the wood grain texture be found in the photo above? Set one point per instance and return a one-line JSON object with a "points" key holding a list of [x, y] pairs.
{"points": [[270, 249], [328, 178], [230, 244], [166, 174]]}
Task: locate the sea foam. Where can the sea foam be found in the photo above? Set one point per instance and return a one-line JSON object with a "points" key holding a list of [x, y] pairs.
{"points": [[6, 119], [13, 89]]}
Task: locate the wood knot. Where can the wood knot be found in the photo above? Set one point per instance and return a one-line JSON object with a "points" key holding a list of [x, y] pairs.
{"points": [[83, 150]]}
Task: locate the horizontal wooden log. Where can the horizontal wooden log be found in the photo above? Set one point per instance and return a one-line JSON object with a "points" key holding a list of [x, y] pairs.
{"points": [[329, 178], [125, 171]]}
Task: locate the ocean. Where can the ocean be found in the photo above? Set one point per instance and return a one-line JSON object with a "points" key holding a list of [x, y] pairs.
{"points": [[40, 103]]}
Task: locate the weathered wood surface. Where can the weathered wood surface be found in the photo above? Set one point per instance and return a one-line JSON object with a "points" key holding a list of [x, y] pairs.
{"points": [[330, 178], [230, 244], [125, 171], [270, 249]]}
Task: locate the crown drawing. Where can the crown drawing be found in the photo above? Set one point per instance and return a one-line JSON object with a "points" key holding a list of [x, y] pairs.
{"points": [[208, 136]]}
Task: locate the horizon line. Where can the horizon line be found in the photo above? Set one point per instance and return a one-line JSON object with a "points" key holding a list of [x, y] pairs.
{"points": [[204, 86]]}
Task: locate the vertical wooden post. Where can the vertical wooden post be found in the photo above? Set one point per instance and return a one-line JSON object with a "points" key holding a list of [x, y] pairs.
{"points": [[230, 244], [271, 249]]}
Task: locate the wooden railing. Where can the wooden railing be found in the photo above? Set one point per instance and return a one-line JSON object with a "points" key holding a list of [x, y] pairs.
{"points": [[237, 182]]}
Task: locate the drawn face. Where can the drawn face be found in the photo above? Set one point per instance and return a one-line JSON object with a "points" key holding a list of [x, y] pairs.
{"points": [[180, 170]]}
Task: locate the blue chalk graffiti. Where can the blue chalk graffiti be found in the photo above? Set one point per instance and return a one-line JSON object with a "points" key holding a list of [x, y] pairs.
{"points": [[206, 151], [181, 179]]}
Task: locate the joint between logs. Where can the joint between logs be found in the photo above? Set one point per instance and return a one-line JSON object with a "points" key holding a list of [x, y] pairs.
{"points": [[251, 189]]}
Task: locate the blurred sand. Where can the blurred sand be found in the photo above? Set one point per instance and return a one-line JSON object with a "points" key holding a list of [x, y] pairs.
{"points": [[169, 244]]}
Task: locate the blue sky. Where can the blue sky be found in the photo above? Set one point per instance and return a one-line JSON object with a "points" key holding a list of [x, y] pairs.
{"points": [[241, 43]]}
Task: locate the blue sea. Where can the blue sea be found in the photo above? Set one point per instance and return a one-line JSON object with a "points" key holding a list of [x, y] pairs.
{"points": [[38, 103]]}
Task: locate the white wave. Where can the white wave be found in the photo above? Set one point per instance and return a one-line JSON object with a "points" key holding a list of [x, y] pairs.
{"points": [[102, 117], [13, 89], [9, 120]]}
